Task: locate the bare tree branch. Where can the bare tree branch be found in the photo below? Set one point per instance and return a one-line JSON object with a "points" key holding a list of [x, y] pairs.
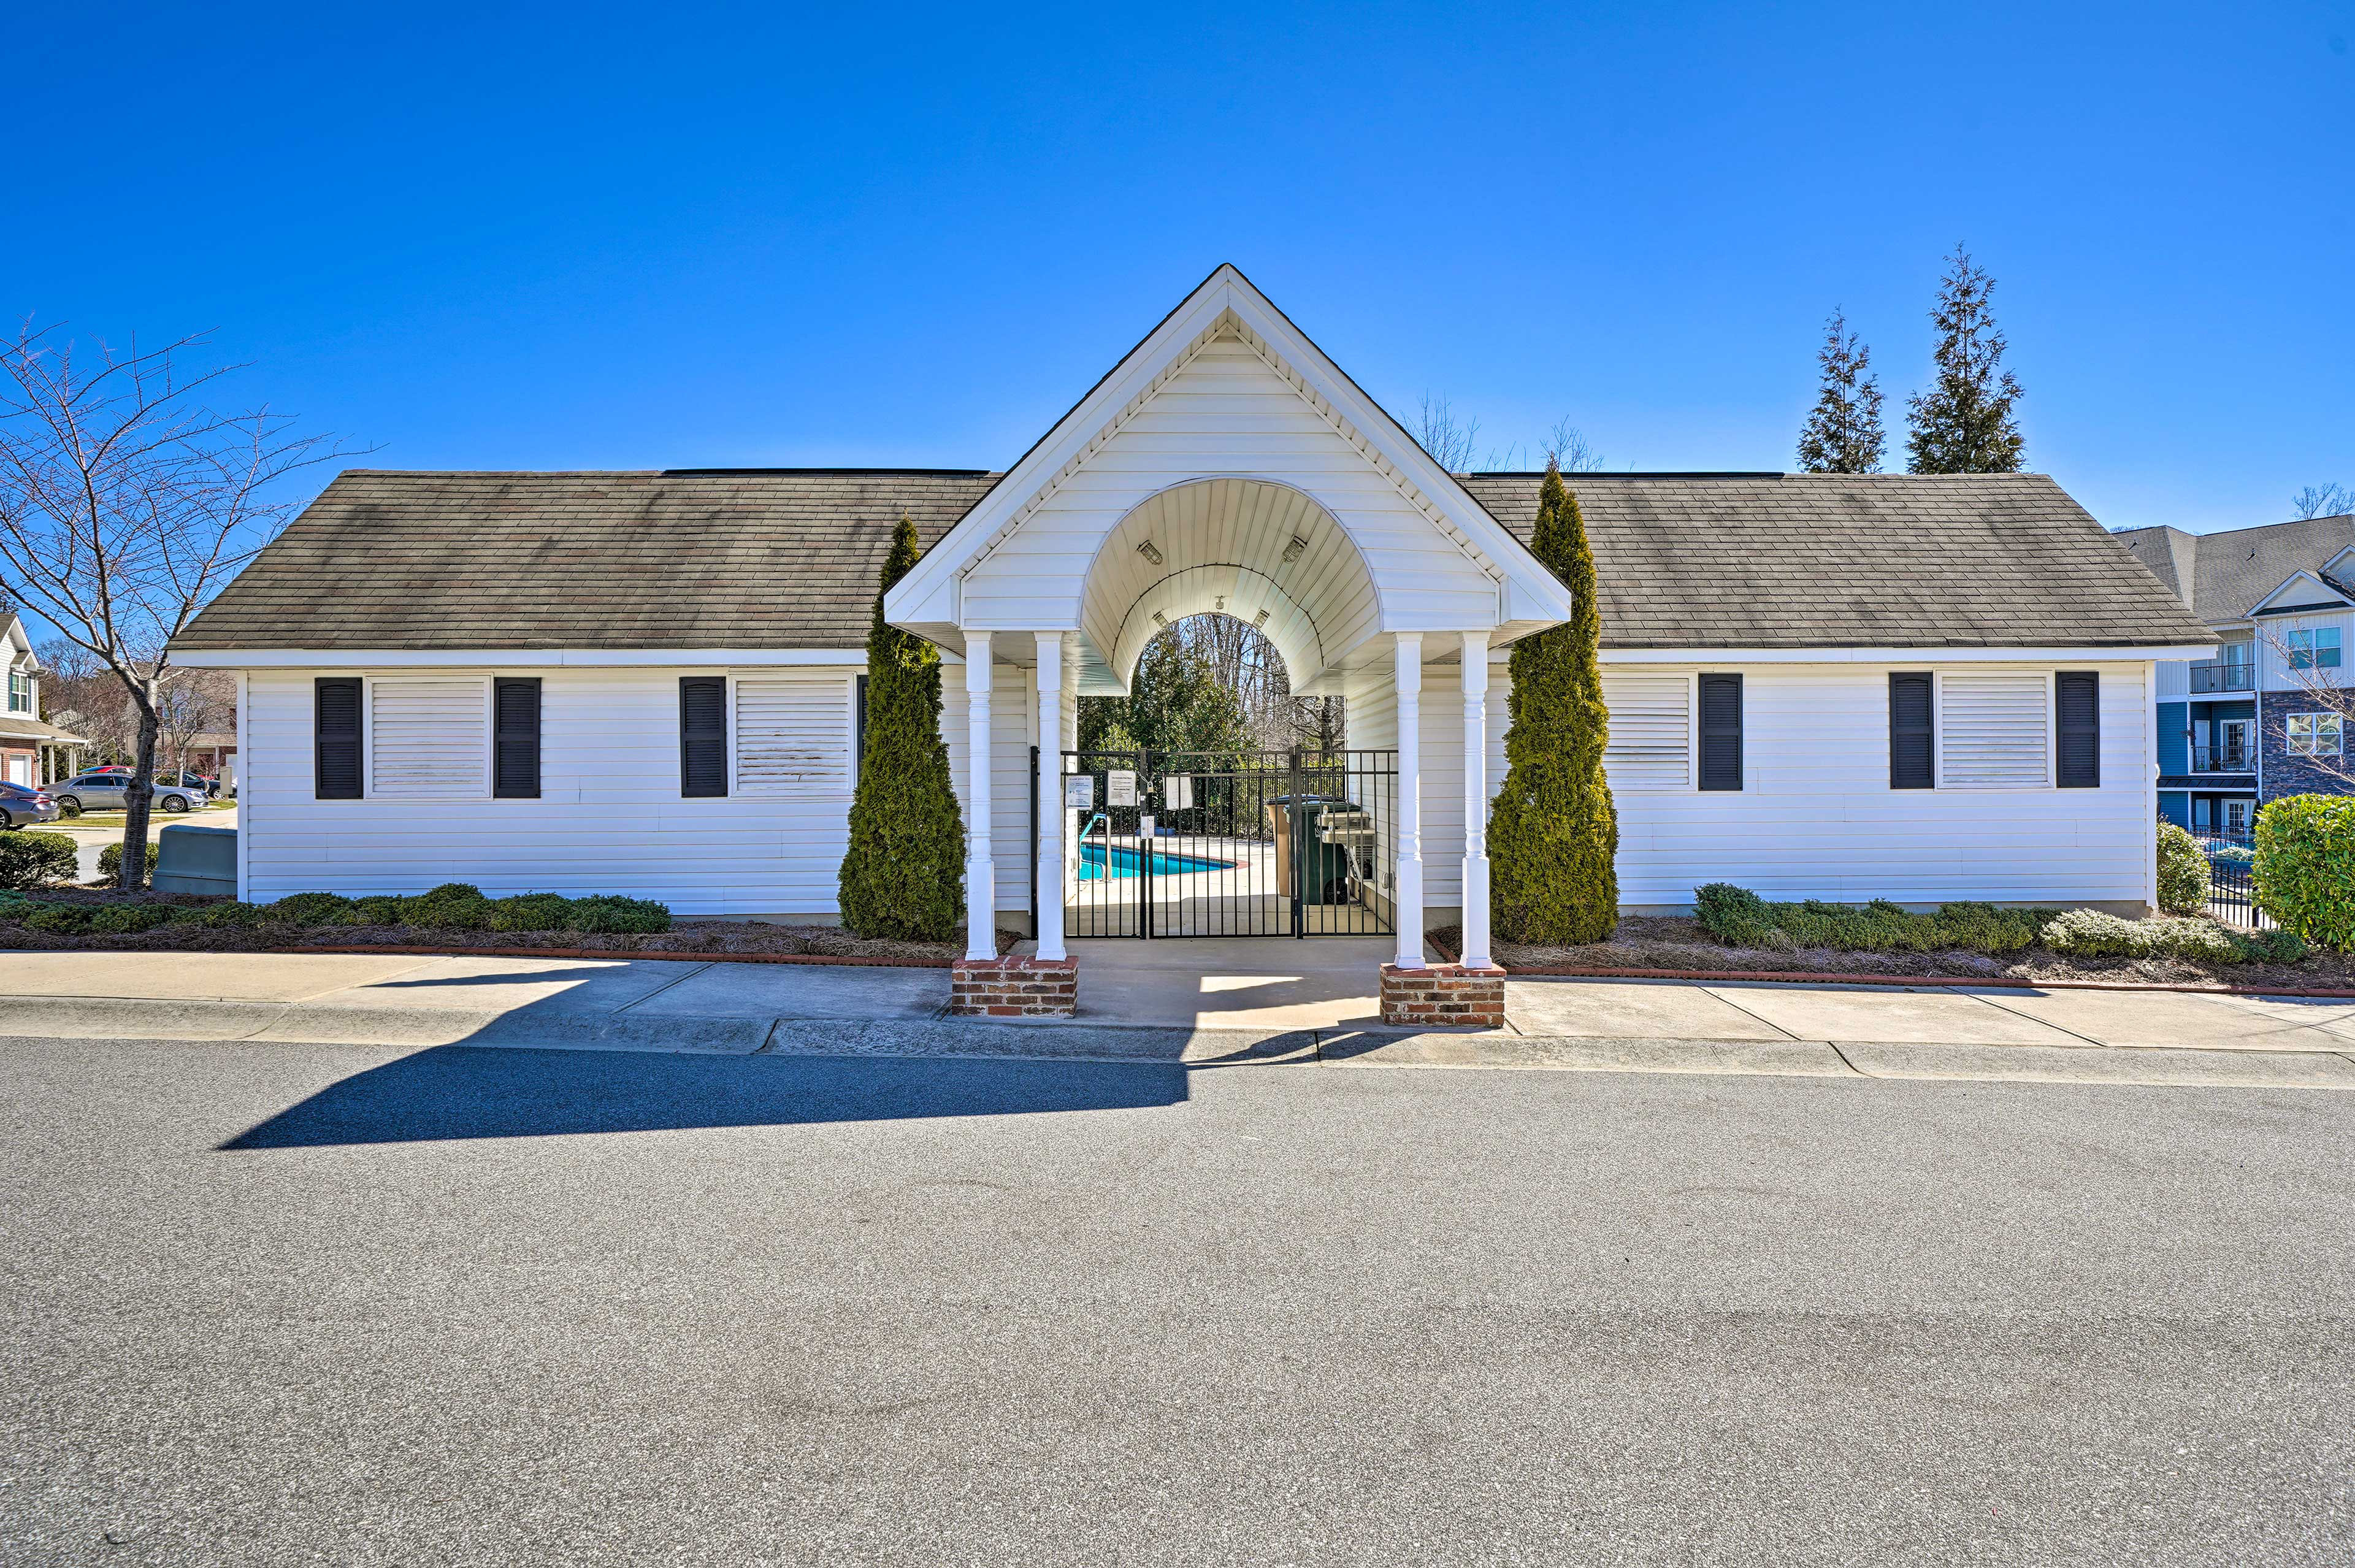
{"points": [[126, 503], [2322, 501], [2322, 688]]}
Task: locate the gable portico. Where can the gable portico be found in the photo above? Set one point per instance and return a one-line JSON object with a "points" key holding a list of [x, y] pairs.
{"points": [[1226, 467]]}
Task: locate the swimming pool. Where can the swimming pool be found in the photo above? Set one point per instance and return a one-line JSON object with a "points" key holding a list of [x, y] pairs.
{"points": [[1095, 866]]}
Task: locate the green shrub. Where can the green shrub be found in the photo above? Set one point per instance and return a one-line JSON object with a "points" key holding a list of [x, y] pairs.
{"points": [[61, 920], [2182, 871], [2270, 947], [29, 860], [231, 912], [1740, 918], [903, 873], [125, 920], [313, 908], [452, 906], [533, 911], [382, 909], [611, 913], [2306, 867], [2089, 934], [1552, 830], [110, 862]]}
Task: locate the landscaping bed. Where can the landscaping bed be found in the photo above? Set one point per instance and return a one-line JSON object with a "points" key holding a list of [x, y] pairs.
{"points": [[183, 923], [1677, 944]]}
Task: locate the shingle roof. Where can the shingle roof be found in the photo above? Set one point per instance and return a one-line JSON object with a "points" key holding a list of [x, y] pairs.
{"points": [[1789, 561], [789, 558], [2224, 575], [742, 560]]}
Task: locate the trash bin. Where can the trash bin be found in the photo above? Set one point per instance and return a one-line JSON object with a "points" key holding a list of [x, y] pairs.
{"points": [[193, 860], [1327, 842]]}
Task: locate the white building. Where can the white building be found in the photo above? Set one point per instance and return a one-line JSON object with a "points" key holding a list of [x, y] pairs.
{"points": [[1847, 688]]}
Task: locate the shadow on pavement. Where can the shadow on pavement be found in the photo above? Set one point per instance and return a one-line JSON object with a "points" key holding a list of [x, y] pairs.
{"points": [[468, 1091]]}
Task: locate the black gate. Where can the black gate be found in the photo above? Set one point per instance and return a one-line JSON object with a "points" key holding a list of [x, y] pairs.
{"points": [[2231, 893], [1224, 844]]}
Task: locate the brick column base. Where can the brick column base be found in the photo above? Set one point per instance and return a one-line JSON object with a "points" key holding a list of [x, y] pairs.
{"points": [[1443, 995], [1013, 988]]}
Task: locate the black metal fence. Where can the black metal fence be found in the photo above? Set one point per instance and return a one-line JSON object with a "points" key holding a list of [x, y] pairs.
{"points": [[1162, 843], [2232, 886]]}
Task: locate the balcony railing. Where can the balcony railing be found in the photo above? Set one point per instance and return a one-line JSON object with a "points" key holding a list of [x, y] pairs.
{"points": [[2221, 760], [2223, 677]]}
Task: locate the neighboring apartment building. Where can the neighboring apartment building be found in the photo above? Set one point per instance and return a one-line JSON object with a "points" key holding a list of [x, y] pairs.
{"points": [[24, 739], [2246, 727]]}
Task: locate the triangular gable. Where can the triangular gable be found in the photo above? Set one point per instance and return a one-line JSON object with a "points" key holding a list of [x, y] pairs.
{"points": [[2300, 590], [1228, 305]]}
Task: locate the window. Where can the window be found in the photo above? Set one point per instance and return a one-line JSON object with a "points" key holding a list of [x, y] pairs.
{"points": [[702, 736], [791, 733], [2314, 734], [2314, 649], [2236, 656], [20, 691], [1912, 748], [427, 738], [2077, 725], [1651, 731], [515, 738], [2236, 816], [1993, 730], [336, 729], [1721, 732]]}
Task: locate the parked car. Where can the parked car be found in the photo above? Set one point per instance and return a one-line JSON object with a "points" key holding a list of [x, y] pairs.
{"points": [[104, 791], [21, 804]]}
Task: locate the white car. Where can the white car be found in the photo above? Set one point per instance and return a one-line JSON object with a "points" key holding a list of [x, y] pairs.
{"points": [[104, 791]]}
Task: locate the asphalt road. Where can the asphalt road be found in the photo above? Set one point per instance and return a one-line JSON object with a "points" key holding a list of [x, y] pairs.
{"points": [[275, 1303]]}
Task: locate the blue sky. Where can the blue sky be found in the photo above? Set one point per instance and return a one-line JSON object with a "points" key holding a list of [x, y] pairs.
{"points": [[650, 237]]}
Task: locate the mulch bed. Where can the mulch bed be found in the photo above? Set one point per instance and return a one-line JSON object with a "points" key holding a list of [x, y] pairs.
{"points": [[727, 941], [1674, 946]]}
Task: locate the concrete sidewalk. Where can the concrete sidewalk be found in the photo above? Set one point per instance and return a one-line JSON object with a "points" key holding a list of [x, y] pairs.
{"points": [[1642, 1025]]}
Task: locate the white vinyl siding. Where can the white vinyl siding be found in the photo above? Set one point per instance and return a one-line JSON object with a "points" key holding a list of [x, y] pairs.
{"points": [[1994, 730], [429, 737], [1651, 731], [793, 733]]}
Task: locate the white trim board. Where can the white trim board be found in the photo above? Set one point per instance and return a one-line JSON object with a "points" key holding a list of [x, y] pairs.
{"points": [[1718, 658]]}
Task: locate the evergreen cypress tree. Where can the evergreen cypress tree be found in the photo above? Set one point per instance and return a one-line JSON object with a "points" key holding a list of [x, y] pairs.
{"points": [[1964, 424], [1553, 835], [1843, 435], [904, 875]]}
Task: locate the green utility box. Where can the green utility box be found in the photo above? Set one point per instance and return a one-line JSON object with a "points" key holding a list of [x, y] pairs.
{"points": [[193, 860]]}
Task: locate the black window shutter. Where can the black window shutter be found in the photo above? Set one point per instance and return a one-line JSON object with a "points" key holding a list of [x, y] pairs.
{"points": [[1912, 745], [515, 738], [2079, 702], [336, 731], [1721, 732], [702, 735]]}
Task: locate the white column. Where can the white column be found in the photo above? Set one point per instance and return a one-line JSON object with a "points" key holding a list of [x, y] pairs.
{"points": [[1048, 919], [980, 870], [1408, 895], [1476, 797]]}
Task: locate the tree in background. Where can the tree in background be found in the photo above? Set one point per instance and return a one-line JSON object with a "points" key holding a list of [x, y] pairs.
{"points": [[1843, 435], [125, 504], [1964, 424], [1453, 441], [903, 874], [1177, 702], [2322, 501], [1553, 835]]}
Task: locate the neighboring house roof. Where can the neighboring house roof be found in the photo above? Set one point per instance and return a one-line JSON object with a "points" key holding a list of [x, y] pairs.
{"points": [[2224, 576], [789, 558], [17, 727], [1794, 561]]}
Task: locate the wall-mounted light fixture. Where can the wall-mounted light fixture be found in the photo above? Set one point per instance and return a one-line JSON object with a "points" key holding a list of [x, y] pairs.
{"points": [[1150, 552], [1260, 620], [1159, 619], [1291, 551]]}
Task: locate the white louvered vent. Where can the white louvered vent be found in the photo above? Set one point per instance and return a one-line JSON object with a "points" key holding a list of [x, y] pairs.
{"points": [[1651, 731], [429, 737], [1992, 730], [792, 735]]}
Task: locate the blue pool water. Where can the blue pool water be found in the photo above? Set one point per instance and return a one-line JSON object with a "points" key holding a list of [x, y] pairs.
{"points": [[1094, 867]]}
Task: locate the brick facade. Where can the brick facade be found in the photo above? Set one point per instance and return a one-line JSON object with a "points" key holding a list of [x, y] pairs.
{"points": [[1443, 995], [2284, 773], [1013, 988]]}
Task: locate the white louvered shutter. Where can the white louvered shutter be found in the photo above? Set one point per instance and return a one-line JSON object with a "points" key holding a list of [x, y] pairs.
{"points": [[792, 735], [1651, 731], [429, 737], [1993, 730]]}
